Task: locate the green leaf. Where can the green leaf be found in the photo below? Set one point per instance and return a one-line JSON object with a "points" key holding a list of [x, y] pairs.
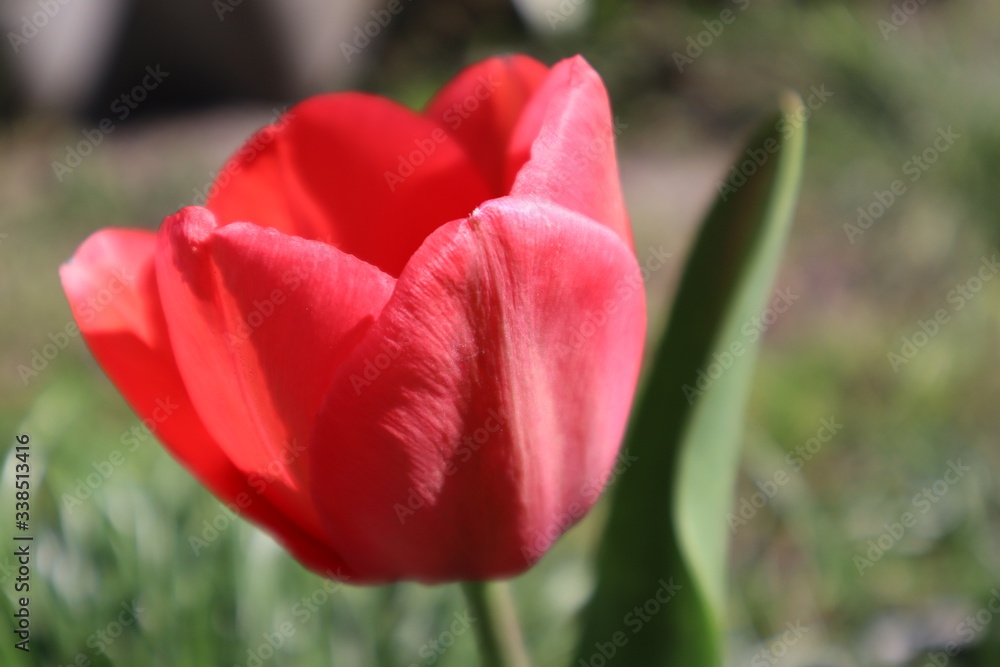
{"points": [[667, 524]]}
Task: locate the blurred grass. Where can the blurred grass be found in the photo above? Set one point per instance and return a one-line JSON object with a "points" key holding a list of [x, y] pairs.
{"points": [[825, 357]]}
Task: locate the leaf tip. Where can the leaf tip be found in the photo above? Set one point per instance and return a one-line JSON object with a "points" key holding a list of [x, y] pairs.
{"points": [[791, 104]]}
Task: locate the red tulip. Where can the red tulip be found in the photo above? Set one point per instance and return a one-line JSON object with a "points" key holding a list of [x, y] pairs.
{"points": [[404, 344]]}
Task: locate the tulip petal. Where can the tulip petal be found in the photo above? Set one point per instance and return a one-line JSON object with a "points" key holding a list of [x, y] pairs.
{"points": [[361, 172], [127, 334], [258, 185], [480, 108], [482, 412], [569, 133], [396, 383], [106, 283], [258, 322]]}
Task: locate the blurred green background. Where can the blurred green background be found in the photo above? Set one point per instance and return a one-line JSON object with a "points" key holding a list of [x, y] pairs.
{"points": [[885, 80]]}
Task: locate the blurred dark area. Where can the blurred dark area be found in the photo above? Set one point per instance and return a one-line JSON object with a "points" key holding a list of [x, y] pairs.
{"points": [[214, 59], [230, 51]]}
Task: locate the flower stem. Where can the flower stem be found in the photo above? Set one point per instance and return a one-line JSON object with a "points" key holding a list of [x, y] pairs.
{"points": [[497, 629]]}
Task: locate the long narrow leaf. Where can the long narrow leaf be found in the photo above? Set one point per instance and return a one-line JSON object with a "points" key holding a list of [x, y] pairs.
{"points": [[661, 592]]}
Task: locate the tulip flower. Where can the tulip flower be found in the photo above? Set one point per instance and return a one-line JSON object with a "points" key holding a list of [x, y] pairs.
{"points": [[405, 344]]}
